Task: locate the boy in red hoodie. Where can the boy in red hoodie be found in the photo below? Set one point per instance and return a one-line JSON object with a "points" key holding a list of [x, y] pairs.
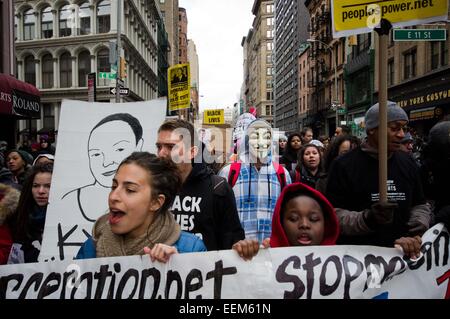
{"points": [[304, 217]]}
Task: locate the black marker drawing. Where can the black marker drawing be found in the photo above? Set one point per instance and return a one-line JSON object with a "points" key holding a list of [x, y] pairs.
{"points": [[110, 141]]}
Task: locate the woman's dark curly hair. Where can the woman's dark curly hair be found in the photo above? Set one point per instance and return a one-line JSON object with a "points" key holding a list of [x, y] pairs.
{"points": [[164, 176], [333, 148]]}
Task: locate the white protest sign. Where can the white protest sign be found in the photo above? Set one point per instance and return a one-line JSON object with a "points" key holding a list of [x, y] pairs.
{"points": [[297, 272], [93, 138]]}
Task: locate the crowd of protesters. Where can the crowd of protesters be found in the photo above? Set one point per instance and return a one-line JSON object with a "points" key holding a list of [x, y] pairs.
{"points": [[314, 191]]}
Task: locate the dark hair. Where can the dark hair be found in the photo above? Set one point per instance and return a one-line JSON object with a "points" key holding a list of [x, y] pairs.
{"points": [[333, 148], [172, 125], [125, 117], [289, 151], [20, 221], [345, 129], [305, 130], [164, 178], [302, 151]]}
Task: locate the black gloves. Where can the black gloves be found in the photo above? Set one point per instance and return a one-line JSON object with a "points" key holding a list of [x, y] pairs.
{"points": [[380, 214]]}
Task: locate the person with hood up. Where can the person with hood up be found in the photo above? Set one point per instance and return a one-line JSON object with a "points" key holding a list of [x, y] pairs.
{"points": [[9, 198], [293, 146], [205, 205], [257, 181]]}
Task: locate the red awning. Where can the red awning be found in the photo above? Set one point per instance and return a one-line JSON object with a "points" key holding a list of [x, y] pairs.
{"points": [[19, 98]]}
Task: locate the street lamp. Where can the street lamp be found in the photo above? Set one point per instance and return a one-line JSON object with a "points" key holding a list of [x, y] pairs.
{"points": [[336, 97]]}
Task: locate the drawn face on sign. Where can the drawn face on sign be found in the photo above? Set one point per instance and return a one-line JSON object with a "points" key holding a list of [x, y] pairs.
{"points": [[260, 141], [109, 144]]}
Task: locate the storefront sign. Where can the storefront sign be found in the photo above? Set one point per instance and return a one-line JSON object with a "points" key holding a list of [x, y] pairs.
{"points": [[26, 105], [425, 114], [433, 97]]}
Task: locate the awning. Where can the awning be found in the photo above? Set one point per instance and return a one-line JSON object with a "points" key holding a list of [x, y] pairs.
{"points": [[19, 98]]}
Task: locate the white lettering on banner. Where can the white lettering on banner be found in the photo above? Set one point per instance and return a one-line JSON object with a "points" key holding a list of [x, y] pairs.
{"points": [[5, 97], [294, 272], [25, 104]]}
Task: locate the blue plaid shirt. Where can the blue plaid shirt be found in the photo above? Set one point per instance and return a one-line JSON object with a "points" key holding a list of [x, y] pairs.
{"points": [[256, 195]]}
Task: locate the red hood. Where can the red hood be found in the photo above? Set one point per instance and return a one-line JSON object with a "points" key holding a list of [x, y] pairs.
{"points": [[278, 237]]}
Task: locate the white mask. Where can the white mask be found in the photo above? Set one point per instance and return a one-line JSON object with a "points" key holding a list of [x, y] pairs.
{"points": [[260, 141]]}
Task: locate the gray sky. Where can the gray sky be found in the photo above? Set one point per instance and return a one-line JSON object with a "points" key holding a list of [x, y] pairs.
{"points": [[217, 28]]}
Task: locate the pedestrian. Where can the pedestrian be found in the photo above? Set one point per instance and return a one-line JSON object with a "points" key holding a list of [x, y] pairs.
{"points": [[18, 162], [289, 158], [257, 181], [307, 135], [139, 220], [27, 224], [353, 188], [43, 158], [205, 204], [9, 198], [309, 169]]}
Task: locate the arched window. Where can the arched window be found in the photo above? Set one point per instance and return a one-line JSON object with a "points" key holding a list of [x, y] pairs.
{"points": [[30, 70], [65, 70], [47, 23], [29, 24], [104, 16], [84, 67], [47, 71], [65, 16], [85, 18], [103, 65]]}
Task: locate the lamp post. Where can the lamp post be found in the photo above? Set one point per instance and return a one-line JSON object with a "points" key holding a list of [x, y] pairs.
{"points": [[336, 96]]}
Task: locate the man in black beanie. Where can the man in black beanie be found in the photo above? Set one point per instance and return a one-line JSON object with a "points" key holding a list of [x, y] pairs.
{"points": [[353, 188]]}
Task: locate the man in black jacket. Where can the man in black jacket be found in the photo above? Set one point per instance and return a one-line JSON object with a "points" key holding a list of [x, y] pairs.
{"points": [[205, 205], [353, 188]]}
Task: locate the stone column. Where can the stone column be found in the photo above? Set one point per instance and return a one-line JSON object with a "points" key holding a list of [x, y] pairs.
{"points": [[19, 34], [55, 24], [55, 73], [20, 74], [38, 73], [74, 71], [37, 29], [93, 20]]}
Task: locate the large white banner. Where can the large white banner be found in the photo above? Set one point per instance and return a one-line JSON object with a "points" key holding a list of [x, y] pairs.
{"points": [[298, 272], [93, 138]]}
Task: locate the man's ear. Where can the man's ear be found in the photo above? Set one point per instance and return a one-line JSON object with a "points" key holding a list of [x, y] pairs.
{"points": [[158, 202], [140, 144]]}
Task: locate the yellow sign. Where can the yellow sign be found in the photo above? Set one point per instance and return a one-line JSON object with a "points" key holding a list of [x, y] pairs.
{"points": [[179, 83], [214, 117], [361, 16]]}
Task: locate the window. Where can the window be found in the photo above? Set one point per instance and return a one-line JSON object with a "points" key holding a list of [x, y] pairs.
{"points": [[269, 95], [269, 71], [104, 16], [410, 61], [434, 46], [84, 67], [29, 21], [85, 19], [269, 58], [47, 71], [269, 8], [49, 116], [269, 34], [269, 109], [444, 53], [30, 70], [103, 65], [65, 15], [269, 46], [65, 70], [269, 21], [47, 23], [269, 83], [390, 74]]}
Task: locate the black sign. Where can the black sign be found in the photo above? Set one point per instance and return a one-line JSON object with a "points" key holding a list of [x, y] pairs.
{"points": [[123, 91], [26, 105]]}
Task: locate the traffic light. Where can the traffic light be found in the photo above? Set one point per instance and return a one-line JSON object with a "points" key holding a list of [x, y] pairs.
{"points": [[123, 68]]}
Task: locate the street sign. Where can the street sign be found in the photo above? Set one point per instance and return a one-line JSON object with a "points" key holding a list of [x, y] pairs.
{"points": [[354, 17], [106, 75], [342, 110], [92, 87], [123, 91], [420, 34]]}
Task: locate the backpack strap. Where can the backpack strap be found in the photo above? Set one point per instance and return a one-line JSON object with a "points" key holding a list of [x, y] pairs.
{"points": [[280, 174], [233, 174], [298, 177]]}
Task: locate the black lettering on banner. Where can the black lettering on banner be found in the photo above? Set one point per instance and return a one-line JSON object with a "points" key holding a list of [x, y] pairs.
{"points": [[309, 265], [217, 274], [63, 238], [66, 276], [171, 277], [349, 277], [156, 275], [46, 288], [88, 277], [101, 276], [375, 266], [326, 290], [4, 283], [189, 286], [123, 282], [35, 279], [112, 285], [437, 247], [281, 276]]}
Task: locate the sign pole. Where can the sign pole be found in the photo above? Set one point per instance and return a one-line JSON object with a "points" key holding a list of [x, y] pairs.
{"points": [[119, 22], [383, 34]]}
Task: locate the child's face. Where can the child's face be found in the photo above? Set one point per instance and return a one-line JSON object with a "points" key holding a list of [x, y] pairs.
{"points": [[303, 221]]}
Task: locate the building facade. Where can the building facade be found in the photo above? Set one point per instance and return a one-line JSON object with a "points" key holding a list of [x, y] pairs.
{"points": [[195, 78], [182, 36], [59, 43], [303, 71], [291, 19], [169, 12], [327, 58]]}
